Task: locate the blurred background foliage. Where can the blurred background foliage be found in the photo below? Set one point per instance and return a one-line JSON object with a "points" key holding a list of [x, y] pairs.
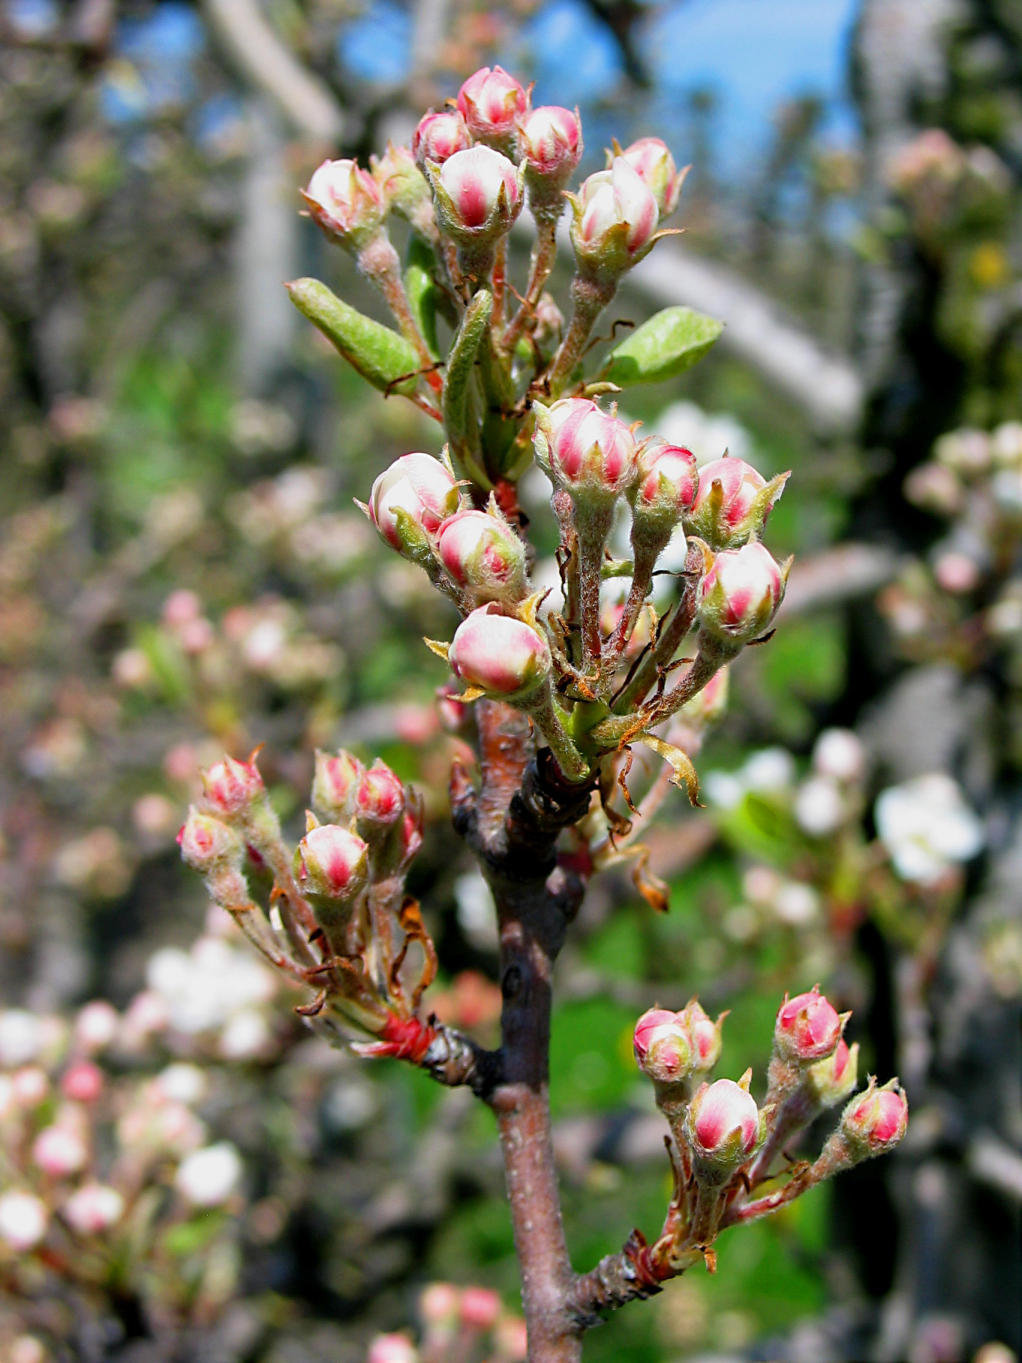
{"points": [[182, 571]]}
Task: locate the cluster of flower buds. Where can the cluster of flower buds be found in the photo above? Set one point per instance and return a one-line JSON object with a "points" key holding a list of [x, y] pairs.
{"points": [[465, 1323], [337, 916], [101, 1159], [724, 1145]]}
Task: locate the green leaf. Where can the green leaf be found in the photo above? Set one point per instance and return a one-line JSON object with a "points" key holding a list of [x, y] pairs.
{"points": [[665, 346], [462, 429], [424, 298], [380, 355]]}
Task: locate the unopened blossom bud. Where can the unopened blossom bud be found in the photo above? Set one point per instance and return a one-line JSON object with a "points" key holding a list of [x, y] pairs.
{"points": [[409, 501], [208, 844], [808, 1027], [82, 1082], [333, 862], [740, 594], [59, 1151], [95, 1026], [664, 1051], [499, 654], [615, 220], [29, 1087], [709, 704], [379, 795], [484, 555], [491, 103], [654, 164], [875, 1121], [336, 779], [438, 136], [208, 1177], [231, 787], [723, 1126], [833, 1078], [705, 1035], [589, 452], [23, 1220], [550, 142], [839, 754], [438, 1304], [665, 487], [392, 1349], [346, 202], [647, 1024], [732, 502], [477, 195], [401, 181], [93, 1208], [479, 1308]]}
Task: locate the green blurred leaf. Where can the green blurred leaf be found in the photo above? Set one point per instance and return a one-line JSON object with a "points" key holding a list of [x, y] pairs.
{"points": [[669, 343]]}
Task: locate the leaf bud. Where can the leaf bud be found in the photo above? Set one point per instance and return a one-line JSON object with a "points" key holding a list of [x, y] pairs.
{"points": [[484, 555], [409, 501], [499, 654], [740, 594]]}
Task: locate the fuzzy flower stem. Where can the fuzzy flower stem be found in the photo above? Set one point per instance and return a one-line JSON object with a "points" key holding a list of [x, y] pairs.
{"points": [[547, 718], [592, 529], [380, 264], [589, 297], [544, 253], [669, 640], [645, 559], [499, 285]]}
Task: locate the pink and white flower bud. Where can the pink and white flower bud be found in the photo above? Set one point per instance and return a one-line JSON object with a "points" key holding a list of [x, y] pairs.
{"points": [[709, 704], [479, 1308], [615, 219], [231, 787], [23, 1220], [409, 501], [645, 1028], [333, 862], [82, 1082], [96, 1026], [511, 1340], [392, 1349], [484, 555], [875, 1121], [401, 181], [346, 202], [379, 795], [477, 194], [732, 502], [585, 450], [499, 654], [208, 1177], [438, 1304], [550, 141], [650, 158], [808, 1027], [208, 844], [93, 1208], [740, 594], [334, 784], [832, 1079], [438, 137], [59, 1151], [491, 103], [705, 1035], [29, 1087], [723, 1125], [666, 485], [668, 1051]]}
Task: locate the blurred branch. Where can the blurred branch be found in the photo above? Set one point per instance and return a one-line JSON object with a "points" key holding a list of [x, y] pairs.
{"points": [[263, 60], [994, 1162], [845, 573]]}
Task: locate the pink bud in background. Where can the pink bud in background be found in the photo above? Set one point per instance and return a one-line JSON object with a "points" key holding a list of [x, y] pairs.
{"points": [[438, 137], [586, 449], [207, 843], [499, 654], [418, 486], [479, 1308], [345, 201], [808, 1027], [93, 1208], [876, 1120], [59, 1151], [654, 164], [723, 1122], [550, 140], [491, 103], [29, 1087], [740, 594], [483, 554], [96, 1025], [230, 786], [392, 1349], [438, 1304], [615, 219], [478, 193], [333, 861], [23, 1220], [82, 1081], [379, 795], [336, 779], [207, 1177]]}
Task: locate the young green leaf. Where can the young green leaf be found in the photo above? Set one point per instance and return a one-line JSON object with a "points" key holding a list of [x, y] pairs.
{"points": [[665, 346], [380, 355]]}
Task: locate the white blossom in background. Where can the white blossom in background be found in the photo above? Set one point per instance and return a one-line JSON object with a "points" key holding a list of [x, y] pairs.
{"points": [[767, 771], [927, 827], [839, 754], [23, 1220], [207, 1177], [21, 1037], [706, 434], [819, 806], [205, 987]]}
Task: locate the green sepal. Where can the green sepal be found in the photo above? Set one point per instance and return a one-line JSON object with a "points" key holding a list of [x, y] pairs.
{"points": [[381, 356], [665, 346]]}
